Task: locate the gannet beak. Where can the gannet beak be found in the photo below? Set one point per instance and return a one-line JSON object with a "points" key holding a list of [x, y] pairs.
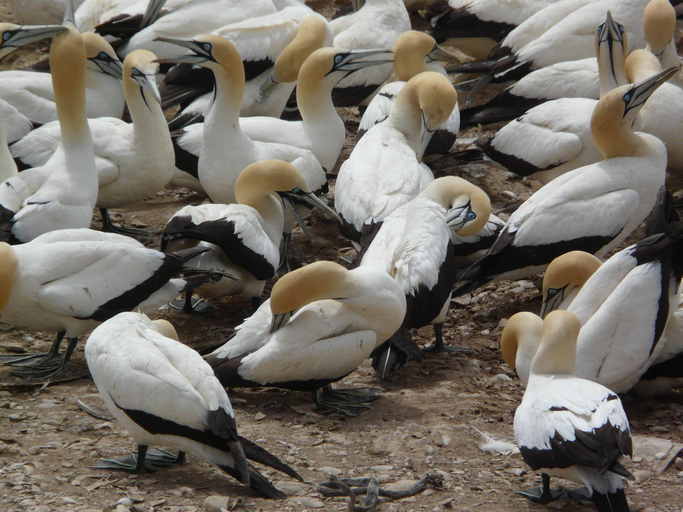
{"points": [[108, 65], [440, 54], [358, 59], [310, 199], [611, 30], [152, 12], [201, 52], [12, 39], [637, 95], [456, 218], [147, 82], [552, 302]]}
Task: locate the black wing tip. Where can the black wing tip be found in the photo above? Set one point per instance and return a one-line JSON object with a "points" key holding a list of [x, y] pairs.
{"points": [[262, 456], [257, 482]]}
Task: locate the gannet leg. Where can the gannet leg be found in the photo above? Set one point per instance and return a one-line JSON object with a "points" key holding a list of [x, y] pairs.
{"points": [[543, 494], [22, 360], [143, 460], [440, 346], [347, 402], [49, 367]]}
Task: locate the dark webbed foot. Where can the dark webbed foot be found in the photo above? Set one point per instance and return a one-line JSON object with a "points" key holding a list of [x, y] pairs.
{"points": [[49, 366], [35, 359], [440, 347], [543, 494], [347, 402], [190, 304], [144, 460]]}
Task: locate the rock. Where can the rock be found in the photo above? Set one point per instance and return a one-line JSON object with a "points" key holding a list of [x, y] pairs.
{"points": [[515, 471], [401, 485], [293, 488], [648, 446], [182, 491], [310, 502], [641, 475], [69, 501], [330, 471], [215, 503], [259, 416], [381, 468], [500, 377]]}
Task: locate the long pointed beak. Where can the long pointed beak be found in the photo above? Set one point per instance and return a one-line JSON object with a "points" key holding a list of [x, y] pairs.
{"points": [[317, 202], [551, 304], [640, 92], [612, 29], [455, 219], [152, 12], [149, 83], [359, 59], [30, 34], [197, 56], [111, 67], [440, 54]]}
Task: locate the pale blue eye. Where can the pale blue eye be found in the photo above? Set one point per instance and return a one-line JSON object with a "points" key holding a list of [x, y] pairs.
{"points": [[470, 215]]}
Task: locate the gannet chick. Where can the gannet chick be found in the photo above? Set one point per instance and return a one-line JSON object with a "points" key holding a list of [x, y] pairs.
{"points": [[320, 323], [69, 280], [414, 245], [605, 201], [384, 170], [414, 52], [243, 239], [572, 427], [223, 148], [133, 160], [162, 392]]}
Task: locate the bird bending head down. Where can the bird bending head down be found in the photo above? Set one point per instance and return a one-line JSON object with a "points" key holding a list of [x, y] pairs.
{"points": [[467, 206], [571, 270], [659, 24], [557, 353]]}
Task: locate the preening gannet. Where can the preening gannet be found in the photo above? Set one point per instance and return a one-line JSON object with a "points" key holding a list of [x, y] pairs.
{"points": [[32, 94], [69, 280], [67, 197], [571, 427], [564, 277], [519, 342], [411, 51], [244, 238], [414, 245], [385, 169], [592, 208], [321, 130], [162, 392], [555, 137], [133, 160], [319, 324], [377, 24], [223, 148]]}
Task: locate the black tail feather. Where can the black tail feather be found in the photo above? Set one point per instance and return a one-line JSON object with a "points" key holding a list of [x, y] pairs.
{"points": [[263, 456], [611, 502], [259, 483]]}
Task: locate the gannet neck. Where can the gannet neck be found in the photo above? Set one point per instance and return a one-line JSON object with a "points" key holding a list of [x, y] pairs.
{"points": [[67, 64], [272, 213], [224, 113], [149, 123], [557, 352], [406, 116], [668, 56], [8, 271], [7, 166], [311, 35], [322, 123]]}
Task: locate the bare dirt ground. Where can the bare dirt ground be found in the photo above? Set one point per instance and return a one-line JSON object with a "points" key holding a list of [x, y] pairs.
{"points": [[428, 419]]}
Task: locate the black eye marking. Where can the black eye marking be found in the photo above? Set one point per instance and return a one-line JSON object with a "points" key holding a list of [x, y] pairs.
{"points": [[339, 58], [6, 36], [553, 291], [470, 215], [207, 47]]}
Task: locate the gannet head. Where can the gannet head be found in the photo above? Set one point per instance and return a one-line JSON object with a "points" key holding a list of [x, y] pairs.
{"points": [[165, 328], [433, 96], [563, 275], [412, 49], [312, 34], [610, 47], [14, 36], [557, 351], [659, 24], [467, 206], [139, 69], [101, 56], [522, 333]]}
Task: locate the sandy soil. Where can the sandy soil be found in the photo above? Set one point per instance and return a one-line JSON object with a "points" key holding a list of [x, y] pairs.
{"points": [[429, 419]]}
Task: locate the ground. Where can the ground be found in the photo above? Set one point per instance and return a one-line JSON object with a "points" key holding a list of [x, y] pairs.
{"points": [[431, 418]]}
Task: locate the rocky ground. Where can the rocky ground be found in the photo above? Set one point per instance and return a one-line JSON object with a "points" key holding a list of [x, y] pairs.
{"points": [[436, 417]]}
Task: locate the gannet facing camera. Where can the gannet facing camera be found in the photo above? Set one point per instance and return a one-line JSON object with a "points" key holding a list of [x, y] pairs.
{"points": [[163, 392]]}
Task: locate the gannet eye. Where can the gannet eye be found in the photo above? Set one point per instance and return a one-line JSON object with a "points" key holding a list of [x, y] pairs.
{"points": [[207, 47], [628, 96], [338, 59], [7, 34], [553, 291], [470, 216]]}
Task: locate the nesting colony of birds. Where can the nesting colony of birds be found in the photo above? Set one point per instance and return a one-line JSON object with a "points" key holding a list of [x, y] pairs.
{"points": [[310, 251]]}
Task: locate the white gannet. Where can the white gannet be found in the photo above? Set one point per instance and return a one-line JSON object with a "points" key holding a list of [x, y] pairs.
{"points": [[320, 323], [659, 24], [162, 392], [31, 92], [414, 245], [385, 168], [555, 137], [67, 197], [592, 208], [272, 47], [120, 19], [519, 342], [321, 130], [571, 427], [662, 114], [475, 26], [38, 12], [69, 280], [12, 126], [133, 160], [377, 24], [411, 51], [243, 238], [223, 148], [570, 38], [568, 79], [564, 277], [190, 19]]}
